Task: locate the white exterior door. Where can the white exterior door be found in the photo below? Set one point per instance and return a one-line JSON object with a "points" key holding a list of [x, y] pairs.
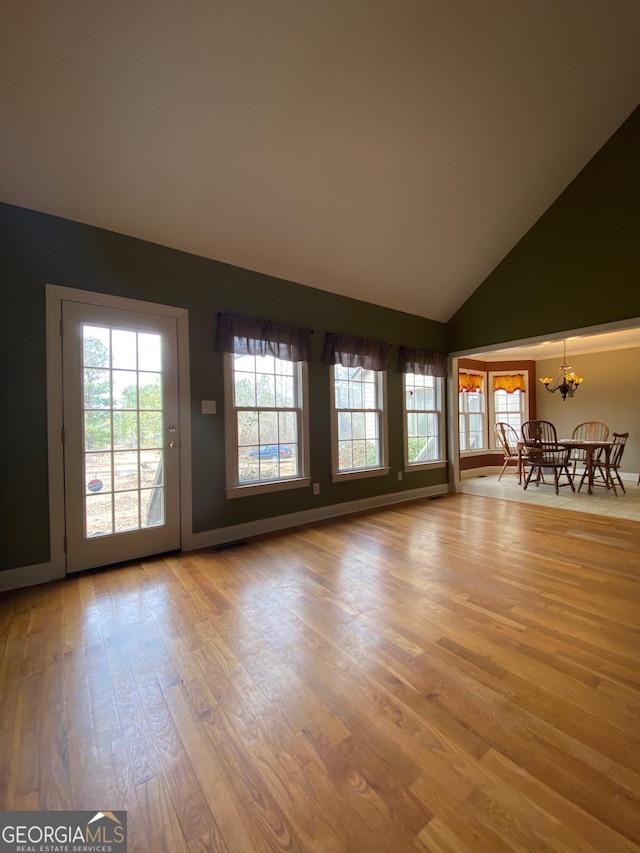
{"points": [[121, 434]]}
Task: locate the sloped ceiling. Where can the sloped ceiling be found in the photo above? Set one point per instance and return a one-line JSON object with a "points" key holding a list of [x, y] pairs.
{"points": [[389, 150]]}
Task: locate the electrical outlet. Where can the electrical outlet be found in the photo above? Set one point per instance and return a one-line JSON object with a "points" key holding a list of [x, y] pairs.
{"points": [[208, 407], [399, 475], [316, 488]]}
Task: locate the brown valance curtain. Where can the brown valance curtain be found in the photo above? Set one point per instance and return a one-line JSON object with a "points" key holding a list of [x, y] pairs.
{"points": [[470, 383], [247, 336], [422, 361], [356, 352], [509, 384]]}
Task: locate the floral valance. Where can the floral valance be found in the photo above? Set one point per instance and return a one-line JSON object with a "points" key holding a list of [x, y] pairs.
{"points": [[515, 382], [356, 352], [248, 336], [470, 383], [422, 361]]}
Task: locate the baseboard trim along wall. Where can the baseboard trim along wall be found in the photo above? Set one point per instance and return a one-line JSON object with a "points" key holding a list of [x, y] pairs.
{"points": [[43, 573], [236, 532], [28, 576]]}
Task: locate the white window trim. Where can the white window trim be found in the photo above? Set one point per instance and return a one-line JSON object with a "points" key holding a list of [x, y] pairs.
{"points": [[487, 448], [441, 461], [423, 466], [482, 452], [492, 416], [237, 490], [360, 473]]}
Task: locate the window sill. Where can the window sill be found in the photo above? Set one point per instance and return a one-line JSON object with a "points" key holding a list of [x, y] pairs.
{"points": [[251, 489], [482, 452], [360, 474], [424, 466]]}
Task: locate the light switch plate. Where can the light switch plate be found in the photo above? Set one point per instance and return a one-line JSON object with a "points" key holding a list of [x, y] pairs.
{"points": [[208, 407]]}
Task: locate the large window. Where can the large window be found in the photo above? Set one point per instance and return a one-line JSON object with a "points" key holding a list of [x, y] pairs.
{"points": [[486, 399], [359, 419], [509, 400], [423, 401], [358, 397], [266, 412], [473, 412]]}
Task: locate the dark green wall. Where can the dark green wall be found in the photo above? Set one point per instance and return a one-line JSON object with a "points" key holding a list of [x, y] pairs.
{"points": [[36, 249], [578, 266]]}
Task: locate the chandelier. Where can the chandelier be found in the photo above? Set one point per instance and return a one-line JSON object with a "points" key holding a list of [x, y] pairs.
{"points": [[567, 381]]}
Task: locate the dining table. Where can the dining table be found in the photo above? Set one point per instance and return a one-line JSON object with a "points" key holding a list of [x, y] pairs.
{"points": [[590, 447]]}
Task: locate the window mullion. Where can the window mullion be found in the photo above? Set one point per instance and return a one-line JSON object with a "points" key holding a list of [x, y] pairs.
{"points": [[266, 444]]}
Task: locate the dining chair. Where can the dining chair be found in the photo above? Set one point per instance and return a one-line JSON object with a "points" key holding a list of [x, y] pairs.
{"points": [[545, 455], [508, 439], [587, 431], [609, 471]]}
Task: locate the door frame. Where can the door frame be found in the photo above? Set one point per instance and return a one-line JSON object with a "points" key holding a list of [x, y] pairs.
{"points": [[55, 295]]}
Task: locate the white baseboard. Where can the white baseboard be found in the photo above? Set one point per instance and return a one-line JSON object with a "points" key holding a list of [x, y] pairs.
{"points": [[238, 532], [45, 572], [28, 576]]}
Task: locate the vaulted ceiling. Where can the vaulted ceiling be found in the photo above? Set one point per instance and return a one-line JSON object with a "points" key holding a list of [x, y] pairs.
{"points": [[389, 150]]}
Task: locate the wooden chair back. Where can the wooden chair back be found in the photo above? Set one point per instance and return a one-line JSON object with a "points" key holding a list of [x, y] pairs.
{"points": [[539, 434], [608, 472], [619, 444], [508, 438], [588, 431], [544, 454]]}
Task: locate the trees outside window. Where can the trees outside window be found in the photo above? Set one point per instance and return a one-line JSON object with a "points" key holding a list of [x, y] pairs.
{"points": [[267, 422], [423, 406], [359, 428]]}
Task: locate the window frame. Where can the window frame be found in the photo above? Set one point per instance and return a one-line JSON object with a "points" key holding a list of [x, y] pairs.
{"points": [[234, 488], [479, 451], [382, 469], [493, 415], [439, 411]]}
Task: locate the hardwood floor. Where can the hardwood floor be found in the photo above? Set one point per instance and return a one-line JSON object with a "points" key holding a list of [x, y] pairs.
{"points": [[460, 674]]}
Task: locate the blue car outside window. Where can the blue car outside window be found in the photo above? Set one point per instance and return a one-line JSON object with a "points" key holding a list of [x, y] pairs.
{"points": [[269, 451]]}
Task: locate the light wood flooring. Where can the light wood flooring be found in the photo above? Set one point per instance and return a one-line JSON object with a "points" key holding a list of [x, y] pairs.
{"points": [[460, 674]]}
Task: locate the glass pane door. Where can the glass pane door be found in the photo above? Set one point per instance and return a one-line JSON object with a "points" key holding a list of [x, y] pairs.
{"points": [[121, 434], [123, 430]]}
